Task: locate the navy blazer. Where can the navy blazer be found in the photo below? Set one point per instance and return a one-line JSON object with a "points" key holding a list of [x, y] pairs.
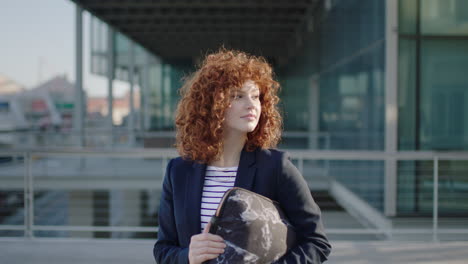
{"points": [[267, 172]]}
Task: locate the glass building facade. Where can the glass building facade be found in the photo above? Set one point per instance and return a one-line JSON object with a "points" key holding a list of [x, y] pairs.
{"points": [[342, 65], [433, 45], [159, 80], [333, 93], [432, 96]]}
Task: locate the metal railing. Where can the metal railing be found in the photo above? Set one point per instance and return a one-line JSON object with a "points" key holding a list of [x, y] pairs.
{"points": [[383, 225], [23, 172], [121, 137], [20, 172]]}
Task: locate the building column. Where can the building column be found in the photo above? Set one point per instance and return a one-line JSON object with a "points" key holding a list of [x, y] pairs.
{"points": [[110, 81], [78, 115], [167, 100], [159, 95], [314, 93], [162, 97], [391, 105], [146, 94], [131, 79], [80, 212], [132, 208], [124, 210]]}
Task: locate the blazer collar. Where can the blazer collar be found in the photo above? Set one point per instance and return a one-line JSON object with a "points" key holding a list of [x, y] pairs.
{"points": [[246, 170], [194, 187]]}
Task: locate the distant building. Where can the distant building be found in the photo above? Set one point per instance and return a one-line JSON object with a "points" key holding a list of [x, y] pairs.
{"points": [[62, 95], [12, 118], [121, 106], [9, 86]]}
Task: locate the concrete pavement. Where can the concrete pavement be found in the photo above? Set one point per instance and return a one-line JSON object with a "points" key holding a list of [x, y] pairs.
{"points": [[74, 251]]}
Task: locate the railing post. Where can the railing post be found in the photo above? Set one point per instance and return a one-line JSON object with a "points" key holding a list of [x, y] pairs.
{"points": [[300, 163], [31, 197], [327, 141], [163, 166], [327, 147], [26, 193], [28, 197], [435, 200]]}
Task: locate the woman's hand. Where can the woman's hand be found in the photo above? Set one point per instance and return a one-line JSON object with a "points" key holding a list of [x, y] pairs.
{"points": [[205, 246]]}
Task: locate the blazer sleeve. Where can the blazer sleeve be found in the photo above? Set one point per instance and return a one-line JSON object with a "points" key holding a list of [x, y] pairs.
{"points": [[304, 214], [167, 249]]}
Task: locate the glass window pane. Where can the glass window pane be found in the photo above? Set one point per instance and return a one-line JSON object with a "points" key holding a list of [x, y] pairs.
{"points": [[444, 89], [415, 188], [446, 17], [407, 16], [406, 94]]}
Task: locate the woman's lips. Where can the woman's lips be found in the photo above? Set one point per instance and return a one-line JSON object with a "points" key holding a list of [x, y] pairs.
{"points": [[249, 117]]}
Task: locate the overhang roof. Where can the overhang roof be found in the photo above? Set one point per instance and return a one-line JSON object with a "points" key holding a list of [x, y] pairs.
{"points": [[181, 29]]}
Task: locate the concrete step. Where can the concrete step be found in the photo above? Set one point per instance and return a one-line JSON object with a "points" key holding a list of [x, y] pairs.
{"points": [[325, 201]]}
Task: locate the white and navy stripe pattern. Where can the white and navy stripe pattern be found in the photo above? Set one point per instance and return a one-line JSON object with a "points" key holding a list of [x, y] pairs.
{"points": [[217, 181]]}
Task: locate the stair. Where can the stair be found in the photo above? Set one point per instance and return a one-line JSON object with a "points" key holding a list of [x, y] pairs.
{"points": [[325, 201]]}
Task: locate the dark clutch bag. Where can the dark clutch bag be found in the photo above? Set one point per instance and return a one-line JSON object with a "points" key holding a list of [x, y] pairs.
{"points": [[253, 227]]}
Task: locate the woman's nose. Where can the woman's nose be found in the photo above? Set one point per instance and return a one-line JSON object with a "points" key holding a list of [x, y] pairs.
{"points": [[250, 103]]}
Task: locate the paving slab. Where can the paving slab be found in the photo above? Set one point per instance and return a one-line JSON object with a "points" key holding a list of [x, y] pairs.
{"points": [[99, 251]]}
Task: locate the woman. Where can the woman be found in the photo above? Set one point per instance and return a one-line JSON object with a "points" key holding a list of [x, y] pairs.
{"points": [[227, 121]]}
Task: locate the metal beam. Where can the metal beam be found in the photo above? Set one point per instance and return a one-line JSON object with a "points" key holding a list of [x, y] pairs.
{"points": [[110, 81], [391, 105], [156, 16], [131, 79], [285, 4], [78, 116], [187, 17], [216, 25]]}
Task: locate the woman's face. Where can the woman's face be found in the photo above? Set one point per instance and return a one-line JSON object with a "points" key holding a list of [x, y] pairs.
{"points": [[243, 113]]}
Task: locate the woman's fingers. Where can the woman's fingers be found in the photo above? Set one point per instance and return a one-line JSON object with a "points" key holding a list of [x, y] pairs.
{"points": [[214, 244], [205, 246], [207, 250], [208, 244], [205, 257], [207, 236], [198, 253]]}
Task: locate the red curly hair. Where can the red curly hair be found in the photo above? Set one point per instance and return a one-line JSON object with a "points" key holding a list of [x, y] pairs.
{"points": [[206, 96]]}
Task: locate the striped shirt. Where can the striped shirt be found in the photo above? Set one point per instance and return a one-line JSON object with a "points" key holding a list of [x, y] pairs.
{"points": [[217, 181]]}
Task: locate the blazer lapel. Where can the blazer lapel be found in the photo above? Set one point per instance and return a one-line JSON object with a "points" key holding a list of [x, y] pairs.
{"points": [[194, 187], [246, 171], [193, 195]]}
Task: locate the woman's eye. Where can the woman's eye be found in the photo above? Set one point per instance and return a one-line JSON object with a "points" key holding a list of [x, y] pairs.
{"points": [[256, 96]]}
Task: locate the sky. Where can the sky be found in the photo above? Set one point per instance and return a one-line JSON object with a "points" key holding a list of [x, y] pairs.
{"points": [[37, 42]]}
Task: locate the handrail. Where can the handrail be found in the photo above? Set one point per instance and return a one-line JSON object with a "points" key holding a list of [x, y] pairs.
{"points": [[166, 153], [305, 154]]}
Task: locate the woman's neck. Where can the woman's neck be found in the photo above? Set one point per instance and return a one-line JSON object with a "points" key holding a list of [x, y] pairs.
{"points": [[232, 148]]}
